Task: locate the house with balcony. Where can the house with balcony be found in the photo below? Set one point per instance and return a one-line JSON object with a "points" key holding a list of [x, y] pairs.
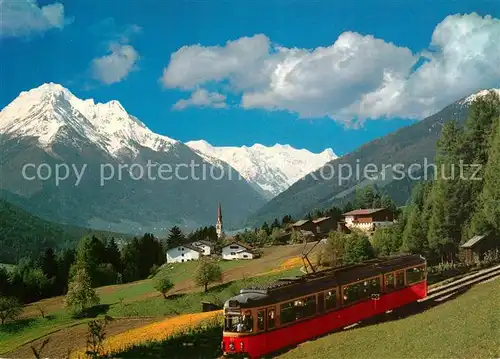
{"points": [[368, 219]]}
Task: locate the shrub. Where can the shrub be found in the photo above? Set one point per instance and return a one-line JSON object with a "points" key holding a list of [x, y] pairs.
{"points": [[163, 285], [10, 308]]}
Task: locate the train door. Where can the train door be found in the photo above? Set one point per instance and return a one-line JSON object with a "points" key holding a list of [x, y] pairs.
{"points": [[270, 325], [375, 291]]}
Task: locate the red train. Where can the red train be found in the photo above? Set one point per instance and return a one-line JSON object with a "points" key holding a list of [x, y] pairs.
{"points": [[263, 320]]}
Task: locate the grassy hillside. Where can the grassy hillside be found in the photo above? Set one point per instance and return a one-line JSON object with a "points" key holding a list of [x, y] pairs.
{"points": [[138, 303], [22, 234], [467, 326]]}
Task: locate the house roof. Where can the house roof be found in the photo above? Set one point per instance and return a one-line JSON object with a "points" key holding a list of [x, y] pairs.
{"points": [[246, 246], [300, 223], [207, 243], [188, 246], [473, 241], [361, 212], [319, 220]]}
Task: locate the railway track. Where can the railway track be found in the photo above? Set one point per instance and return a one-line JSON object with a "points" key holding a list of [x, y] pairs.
{"points": [[462, 283]]}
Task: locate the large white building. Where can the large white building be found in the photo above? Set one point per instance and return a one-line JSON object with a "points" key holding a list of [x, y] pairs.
{"points": [[235, 250], [183, 253]]}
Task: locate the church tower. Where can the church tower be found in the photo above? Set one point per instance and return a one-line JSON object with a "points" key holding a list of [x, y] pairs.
{"points": [[218, 225]]}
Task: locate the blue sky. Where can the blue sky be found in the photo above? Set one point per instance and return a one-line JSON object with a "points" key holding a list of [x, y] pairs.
{"points": [[313, 74]]}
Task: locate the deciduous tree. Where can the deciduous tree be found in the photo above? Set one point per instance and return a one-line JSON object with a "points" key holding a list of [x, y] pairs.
{"points": [[163, 284], [81, 295], [10, 309], [207, 272]]}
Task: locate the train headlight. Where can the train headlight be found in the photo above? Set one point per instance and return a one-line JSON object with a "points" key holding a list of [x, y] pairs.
{"points": [[242, 346], [231, 346]]}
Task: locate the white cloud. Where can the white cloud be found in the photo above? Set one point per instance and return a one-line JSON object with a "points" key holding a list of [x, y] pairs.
{"points": [[117, 65], [25, 17], [357, 77], [202, 98], [193, 65]]}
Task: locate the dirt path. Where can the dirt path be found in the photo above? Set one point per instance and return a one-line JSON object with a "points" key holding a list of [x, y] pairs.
{"points": [[74, 338]]}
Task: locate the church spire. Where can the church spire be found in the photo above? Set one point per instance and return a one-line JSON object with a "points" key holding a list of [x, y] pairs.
{"points": [[218, 225]]}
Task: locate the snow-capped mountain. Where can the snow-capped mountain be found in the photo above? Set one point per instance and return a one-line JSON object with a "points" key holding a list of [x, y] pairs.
{"points": [[273, 169], [51, 126], [47, 110], [469, 99]]}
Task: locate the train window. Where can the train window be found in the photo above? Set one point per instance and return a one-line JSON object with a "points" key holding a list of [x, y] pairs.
{"points": [[238, 323], [331, 299], [270, 318], [389, 281], [298, 309], [351, 293], [309, 308], [400, 280], [414, 275], [287, 313], [261, 315], [361, 290]]}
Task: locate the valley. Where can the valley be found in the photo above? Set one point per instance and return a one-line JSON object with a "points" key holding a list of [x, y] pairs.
{"points": [[208, 180]]}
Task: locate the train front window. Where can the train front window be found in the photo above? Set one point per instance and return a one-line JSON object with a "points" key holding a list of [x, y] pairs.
{"points": [[238, 323]]}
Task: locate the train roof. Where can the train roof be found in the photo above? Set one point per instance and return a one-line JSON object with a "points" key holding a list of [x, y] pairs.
{"points": [[289, 288]]}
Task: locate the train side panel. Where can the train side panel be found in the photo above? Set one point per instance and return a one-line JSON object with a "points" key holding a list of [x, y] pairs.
{"points": [[267, 342]]}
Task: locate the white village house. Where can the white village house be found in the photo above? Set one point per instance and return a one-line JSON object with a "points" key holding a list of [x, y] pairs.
{"points": [[235, 250], [206, 247], [184, 253]]}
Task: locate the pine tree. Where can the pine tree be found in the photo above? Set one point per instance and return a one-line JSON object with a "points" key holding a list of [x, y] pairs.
{"points": [[348, 207], [414, 236], [490, 196], [483, 118], [175, 237], [333, 252], [48, 263], [265, 227], [367, 197], [387, 202], [480, 125], [286, 219], [90, 253], [113, 255], [383, 241], [448, 194], [358, 248]]}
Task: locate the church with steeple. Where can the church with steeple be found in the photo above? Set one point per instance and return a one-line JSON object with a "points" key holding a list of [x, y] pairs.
{"points": [[218, 225]]}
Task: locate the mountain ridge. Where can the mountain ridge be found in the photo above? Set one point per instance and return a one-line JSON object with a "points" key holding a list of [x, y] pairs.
{"points": [[49, 125], [407, 145], [272, 168]]}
